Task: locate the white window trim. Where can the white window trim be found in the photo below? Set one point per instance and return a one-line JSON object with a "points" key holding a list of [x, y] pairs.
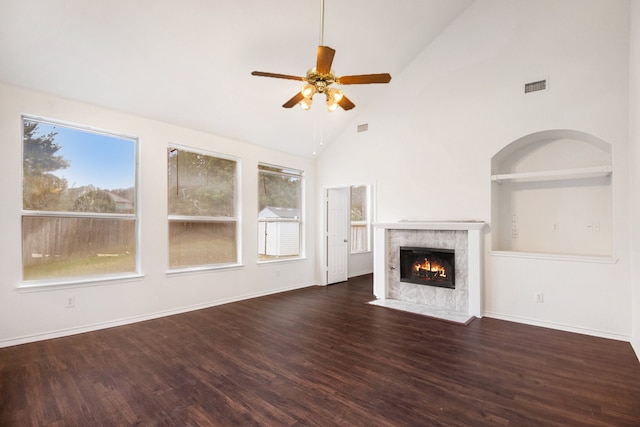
{"points": [[238, 218], [79, 281], [294, 173], [367, 222]]}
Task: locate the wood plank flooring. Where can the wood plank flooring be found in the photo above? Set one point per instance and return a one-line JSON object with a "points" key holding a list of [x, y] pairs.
{"points": [[320, 356]]}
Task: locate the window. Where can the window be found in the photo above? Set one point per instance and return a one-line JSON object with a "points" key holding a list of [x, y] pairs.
{"points": [[203, 219], [359, 219], [78, 203], [279, 216]]}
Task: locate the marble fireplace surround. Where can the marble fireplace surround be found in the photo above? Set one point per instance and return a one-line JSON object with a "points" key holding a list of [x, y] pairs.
{"points": [[458, 305]]}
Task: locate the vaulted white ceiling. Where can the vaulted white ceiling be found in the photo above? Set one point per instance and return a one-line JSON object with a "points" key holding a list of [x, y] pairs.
{"points": [[188, 62]]}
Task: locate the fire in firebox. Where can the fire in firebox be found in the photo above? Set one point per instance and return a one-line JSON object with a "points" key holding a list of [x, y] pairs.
{"points": [[428, 266]]}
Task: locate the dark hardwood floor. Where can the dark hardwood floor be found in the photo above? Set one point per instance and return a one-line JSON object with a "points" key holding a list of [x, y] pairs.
{"points": [[320, 356]]}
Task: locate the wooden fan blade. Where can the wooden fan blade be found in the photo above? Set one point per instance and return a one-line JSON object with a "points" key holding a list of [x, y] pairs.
{"points": [[277, 76], [346, 103], [293, 101], [362, 79], [325, 59]]}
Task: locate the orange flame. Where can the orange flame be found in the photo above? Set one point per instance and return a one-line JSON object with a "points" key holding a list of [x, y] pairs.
{"points": [[433, 267]]}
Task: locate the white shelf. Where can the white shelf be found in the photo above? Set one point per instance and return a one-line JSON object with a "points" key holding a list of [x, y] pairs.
{"points": [[587, 172]]}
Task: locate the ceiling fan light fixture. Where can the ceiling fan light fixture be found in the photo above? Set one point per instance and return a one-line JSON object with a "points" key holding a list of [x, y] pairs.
{"points": [[320, 78], [336, 94], [305, 104], [308, 90], [331, 103]]}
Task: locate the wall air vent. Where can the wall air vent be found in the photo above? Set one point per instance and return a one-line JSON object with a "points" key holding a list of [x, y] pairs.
{"points": [[535, 86], [363, 127]]}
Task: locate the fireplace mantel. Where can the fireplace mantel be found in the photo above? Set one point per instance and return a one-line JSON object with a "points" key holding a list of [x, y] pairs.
{"points": [[384, 267], [432, 225]]}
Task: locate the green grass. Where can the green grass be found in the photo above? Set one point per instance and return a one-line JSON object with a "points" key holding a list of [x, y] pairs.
{"points": [[202, 252], [52, 268]]}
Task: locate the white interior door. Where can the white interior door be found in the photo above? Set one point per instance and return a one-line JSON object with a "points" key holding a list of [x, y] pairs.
{"points": [[337, 234]]}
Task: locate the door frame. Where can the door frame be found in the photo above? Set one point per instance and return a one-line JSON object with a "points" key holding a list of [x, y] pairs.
{"points": [[325, 232], [372, 206]]}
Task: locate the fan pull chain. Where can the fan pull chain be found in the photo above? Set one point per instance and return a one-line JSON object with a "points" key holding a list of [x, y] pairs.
{"points": [[321, 130], [315, 128], [321, 22]]}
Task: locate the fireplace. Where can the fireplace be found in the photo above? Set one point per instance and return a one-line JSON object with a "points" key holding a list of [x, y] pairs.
{"points": [[459, 304], [428, 266]]}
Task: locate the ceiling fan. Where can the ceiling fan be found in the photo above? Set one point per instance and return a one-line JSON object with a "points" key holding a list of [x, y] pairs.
{"points": [[320, 78]]}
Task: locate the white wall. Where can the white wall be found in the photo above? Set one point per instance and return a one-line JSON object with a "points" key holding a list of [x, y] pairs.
{"points": [[634, 160], [27, 316], [430, 142], [360, 264]]}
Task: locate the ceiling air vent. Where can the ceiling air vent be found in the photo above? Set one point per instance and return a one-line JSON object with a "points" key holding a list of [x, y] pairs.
{"points": [[363, 127], [535, 86]]}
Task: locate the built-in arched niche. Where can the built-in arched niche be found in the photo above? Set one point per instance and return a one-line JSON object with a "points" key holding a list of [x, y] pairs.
{"points": [[551, 193]]}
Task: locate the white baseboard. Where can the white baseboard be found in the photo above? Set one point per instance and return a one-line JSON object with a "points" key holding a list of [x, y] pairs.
{"points": [[359, 273], [134, 319], [560, 326]]}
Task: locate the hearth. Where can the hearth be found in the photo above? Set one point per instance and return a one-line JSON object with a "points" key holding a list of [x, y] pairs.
{"points": [[428, 266]]}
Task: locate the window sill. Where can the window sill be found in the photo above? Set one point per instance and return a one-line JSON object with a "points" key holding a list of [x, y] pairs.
{"points": [[204, 269], [45, 285], [276, 261]]}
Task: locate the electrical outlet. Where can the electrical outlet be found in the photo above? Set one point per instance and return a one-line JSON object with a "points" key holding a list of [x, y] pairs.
{"points": [[70, 301], [540, 297], [555, 226]]}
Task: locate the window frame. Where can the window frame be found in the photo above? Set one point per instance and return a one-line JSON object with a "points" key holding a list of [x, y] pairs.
{"points": [[366, 222], [294, 173], [97, 279], [206, 219]]}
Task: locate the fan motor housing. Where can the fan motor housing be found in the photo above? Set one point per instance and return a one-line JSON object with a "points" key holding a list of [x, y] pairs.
{"points": [[320, 81]]}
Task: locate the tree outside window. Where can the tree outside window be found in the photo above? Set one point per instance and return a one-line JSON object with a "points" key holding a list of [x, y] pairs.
{"points": [[203, 223], [79, 203]]}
